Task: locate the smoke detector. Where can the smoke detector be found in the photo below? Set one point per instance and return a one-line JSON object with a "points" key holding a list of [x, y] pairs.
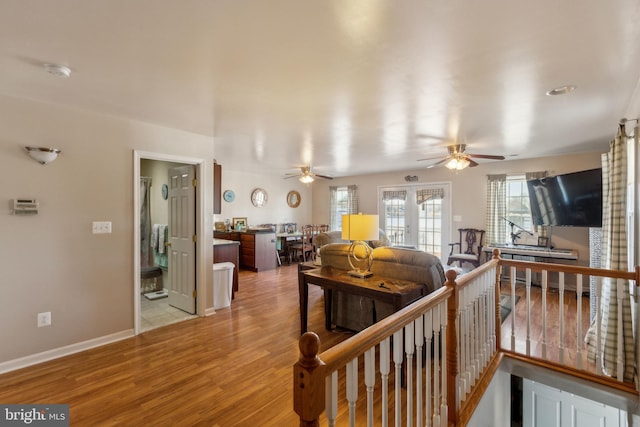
{"points": [[58, 70]]}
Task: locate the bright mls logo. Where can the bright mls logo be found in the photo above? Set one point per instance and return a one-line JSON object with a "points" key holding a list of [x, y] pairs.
{"points": [[34, 415]]}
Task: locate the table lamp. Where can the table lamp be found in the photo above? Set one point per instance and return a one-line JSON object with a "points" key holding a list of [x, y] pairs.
{"points": [[358, 229]]}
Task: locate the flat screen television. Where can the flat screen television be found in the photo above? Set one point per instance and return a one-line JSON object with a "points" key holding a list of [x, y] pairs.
{"points": [[569, 200]]}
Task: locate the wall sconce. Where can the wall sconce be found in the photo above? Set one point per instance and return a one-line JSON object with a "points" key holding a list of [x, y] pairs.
{"points": [[43, 155], [358, 229]]}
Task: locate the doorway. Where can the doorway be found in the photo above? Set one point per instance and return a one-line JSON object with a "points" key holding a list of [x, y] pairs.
{"points": [[155, 311]]}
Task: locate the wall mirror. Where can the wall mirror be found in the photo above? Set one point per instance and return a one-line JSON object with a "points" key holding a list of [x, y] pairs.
{"points": [[259, 197], [293, 199]]}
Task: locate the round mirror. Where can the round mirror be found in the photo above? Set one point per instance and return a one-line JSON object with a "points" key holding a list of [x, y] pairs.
{"points": [[293, 199], [259, 197]]}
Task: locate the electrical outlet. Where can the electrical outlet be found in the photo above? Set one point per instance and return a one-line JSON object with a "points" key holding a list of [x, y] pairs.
{"points": [[101, 227], [44, 319]]}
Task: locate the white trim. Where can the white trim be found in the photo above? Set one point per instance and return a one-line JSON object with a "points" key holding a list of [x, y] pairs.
{"points": [[201, 255], [55, 353]]}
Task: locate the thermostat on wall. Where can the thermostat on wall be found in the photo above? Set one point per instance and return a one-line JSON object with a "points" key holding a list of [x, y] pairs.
{"points": [[25, 207]]}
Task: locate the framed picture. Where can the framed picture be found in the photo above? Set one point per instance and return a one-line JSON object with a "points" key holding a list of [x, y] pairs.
{"points": [[543, 241], [239, 223]]}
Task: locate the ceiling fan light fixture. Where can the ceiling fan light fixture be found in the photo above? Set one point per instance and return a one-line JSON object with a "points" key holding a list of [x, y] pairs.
{"points": [[457, 163], [306, 179]]}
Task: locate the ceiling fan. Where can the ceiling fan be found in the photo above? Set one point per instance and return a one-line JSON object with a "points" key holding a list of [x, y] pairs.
{"points": [[458, 159], [306, 176]]}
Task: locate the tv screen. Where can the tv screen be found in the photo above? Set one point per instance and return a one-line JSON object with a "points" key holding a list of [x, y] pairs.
{"points": [[573, 199]]}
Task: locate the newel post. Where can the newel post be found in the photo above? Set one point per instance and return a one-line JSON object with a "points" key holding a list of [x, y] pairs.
{"points": [[452, 348], [309, 381]]}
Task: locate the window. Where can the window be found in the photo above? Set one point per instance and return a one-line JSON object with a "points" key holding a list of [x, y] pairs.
{"points": [[344, 200], [517, 200]]}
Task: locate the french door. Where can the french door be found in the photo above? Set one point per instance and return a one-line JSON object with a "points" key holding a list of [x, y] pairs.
{"points": [[417, 215]]}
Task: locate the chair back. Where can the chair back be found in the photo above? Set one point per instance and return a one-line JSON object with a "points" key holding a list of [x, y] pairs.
{"points": [[471, 240]]}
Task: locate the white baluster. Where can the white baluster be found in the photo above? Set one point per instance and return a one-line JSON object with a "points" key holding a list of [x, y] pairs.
{"points": [[464, 340], [544, 314], [418, 325], [428, 329], [561, 314], [598, 326], [409, 349], [436, 365], [331, 398], [444, 408], [397, 360], [492, 324], [528, 285], [370, 381], [579, 319], [620, 352], [512, 280], [352, 390], [384, 376]]}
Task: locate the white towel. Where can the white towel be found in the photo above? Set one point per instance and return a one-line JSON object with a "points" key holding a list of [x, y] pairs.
{"points": [[162, 235], [154, 237]]}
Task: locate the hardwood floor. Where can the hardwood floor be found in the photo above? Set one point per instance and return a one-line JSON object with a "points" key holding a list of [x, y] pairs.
{"points": [[230, 369]]}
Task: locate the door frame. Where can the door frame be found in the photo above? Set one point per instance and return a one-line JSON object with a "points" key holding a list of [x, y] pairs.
{"points": [[200, 227]]}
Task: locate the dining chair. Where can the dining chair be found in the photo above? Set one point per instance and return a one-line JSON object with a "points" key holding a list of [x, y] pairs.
{"points": [[304, 246]]}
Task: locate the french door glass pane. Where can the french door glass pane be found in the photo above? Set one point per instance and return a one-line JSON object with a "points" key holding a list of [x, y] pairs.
{"points": [[394, 221]]}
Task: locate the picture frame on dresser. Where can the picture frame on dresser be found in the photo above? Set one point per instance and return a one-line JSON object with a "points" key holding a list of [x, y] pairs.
{"points": [[239, 223]]}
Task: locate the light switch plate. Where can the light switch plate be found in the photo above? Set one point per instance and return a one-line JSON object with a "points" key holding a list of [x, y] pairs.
{"points": [[101, 227], [457, 218]]}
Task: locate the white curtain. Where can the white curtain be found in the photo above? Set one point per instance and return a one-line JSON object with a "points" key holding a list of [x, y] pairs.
{"points": [[614, 257], [145, 221], [496, 209]]}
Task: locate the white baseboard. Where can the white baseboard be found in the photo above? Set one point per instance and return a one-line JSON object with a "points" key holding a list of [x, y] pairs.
{"points": [[34, 359], [209, 311]]}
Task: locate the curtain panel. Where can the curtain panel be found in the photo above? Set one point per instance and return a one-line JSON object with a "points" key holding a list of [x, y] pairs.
{"points": [[496, 208]]}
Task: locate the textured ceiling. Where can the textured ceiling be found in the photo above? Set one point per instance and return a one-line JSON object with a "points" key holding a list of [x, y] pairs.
{"points": [[350, 86]]}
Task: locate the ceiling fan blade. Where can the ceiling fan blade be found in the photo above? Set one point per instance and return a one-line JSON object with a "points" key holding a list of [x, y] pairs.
{"points": [[292, 176], [472, 163], [446, 159], [322, 176], [429, 158], [486, 156]]}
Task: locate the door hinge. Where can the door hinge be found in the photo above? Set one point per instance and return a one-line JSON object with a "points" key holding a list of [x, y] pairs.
{"points": [[195, 182], [194, 238], [195, 294]]}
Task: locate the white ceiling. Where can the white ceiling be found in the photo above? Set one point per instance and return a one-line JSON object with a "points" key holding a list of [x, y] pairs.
{"points": [[350, 86]]}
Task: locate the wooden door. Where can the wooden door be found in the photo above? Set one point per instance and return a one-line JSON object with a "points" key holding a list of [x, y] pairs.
{"points": [[182, 219]]}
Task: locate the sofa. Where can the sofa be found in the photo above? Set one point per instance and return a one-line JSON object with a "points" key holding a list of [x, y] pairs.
{"points": [[327, 237], [356, 313]]}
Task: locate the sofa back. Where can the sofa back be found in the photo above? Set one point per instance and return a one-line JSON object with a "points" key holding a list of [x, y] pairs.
{"points": [[395, 263], [335, 236]]}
